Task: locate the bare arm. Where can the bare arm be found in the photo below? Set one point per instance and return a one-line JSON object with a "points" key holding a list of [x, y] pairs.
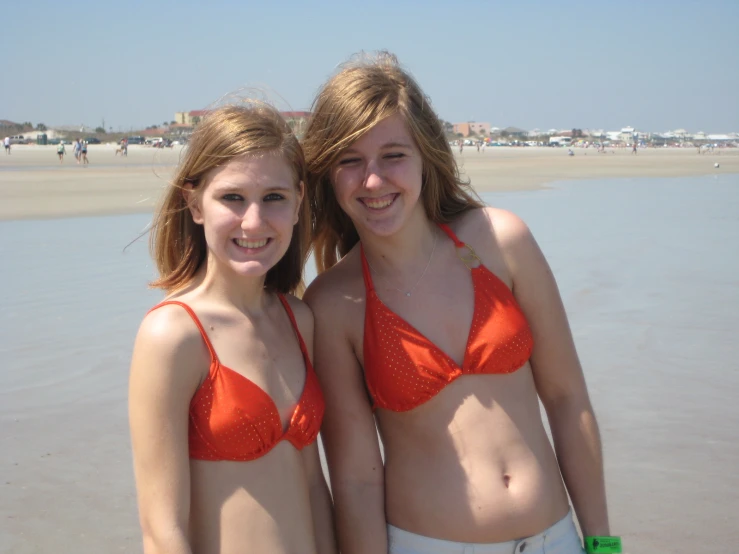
{"points": [[320, 498], [558, 375], [349, 433], [320, 501], [164, 376]]}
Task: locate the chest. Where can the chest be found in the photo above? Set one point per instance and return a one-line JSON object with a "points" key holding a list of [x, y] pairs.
{"points": [[267, 354], [439, 312]]}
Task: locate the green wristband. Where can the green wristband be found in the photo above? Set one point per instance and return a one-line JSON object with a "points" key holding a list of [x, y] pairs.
{"points": [[603, 545]]}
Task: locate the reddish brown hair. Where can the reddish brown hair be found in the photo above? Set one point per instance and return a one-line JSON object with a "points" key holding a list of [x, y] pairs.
{"points": [[177, 243], [365, 91]]}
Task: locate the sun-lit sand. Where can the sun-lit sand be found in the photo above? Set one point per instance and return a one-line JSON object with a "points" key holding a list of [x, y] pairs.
{"points": [[33, 184]]}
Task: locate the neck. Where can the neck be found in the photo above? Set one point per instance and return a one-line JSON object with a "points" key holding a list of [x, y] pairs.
{"points": [[404, 253], [224, 286]]}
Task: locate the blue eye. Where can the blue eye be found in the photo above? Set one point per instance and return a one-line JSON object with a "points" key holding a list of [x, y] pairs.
{"points": [[232, 197], [273, 197]]}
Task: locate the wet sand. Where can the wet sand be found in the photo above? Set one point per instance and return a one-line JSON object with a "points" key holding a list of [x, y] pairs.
{"points": [[34, 185]]}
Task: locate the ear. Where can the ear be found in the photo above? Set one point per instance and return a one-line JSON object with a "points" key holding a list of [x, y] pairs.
{"points": [[301, 197], [192, 199]]}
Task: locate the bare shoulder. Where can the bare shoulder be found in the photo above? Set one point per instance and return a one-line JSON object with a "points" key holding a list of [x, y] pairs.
{"points": [[499, 237], [168, 340], [170, 327], [335, 292], [523, 259], [503, 227]]}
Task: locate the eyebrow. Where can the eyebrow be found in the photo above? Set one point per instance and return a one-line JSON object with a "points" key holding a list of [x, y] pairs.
{"points": [[226, 187], [393, 144], [396, 145]]}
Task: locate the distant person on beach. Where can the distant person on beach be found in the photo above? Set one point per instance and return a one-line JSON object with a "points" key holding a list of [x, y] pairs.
{"points": [[122, 148], [224, 405], [633, 149], [83, 152], [60, 151], [438, 324], [77, 150], [6, 142]]}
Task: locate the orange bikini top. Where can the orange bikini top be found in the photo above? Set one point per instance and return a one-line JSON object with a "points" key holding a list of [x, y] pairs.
{"points": [[233, 419], [403, 369]]}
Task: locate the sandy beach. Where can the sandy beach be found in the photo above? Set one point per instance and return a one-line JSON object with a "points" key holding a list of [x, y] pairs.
{"points": [[33, 184]]}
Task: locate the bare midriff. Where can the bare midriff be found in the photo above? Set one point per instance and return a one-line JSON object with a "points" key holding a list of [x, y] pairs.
{"points": [[262, 505], [474, 463]]}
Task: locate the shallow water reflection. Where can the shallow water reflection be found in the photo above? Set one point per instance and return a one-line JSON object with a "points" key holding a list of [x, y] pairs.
{"points": [[649, 274]]}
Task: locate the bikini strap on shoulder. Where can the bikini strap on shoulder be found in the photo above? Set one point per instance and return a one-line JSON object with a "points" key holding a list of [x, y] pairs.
{"points": [[444, 227], [366, 270], [195, 319], [294, 323], [469, 257]]}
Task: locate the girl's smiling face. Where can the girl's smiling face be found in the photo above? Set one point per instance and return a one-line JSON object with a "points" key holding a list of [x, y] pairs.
{"points": [[248, 208], [377, 180]]}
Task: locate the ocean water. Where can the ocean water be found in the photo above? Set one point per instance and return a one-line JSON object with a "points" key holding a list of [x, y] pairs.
{"points": [[649, 273]]}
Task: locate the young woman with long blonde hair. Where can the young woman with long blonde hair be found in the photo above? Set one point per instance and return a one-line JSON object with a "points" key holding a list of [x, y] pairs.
{"points": [[224, 404], [438, 324]]}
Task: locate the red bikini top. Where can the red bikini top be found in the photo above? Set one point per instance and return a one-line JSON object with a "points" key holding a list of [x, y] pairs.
{"points": [[403, 369], [231, 418]]}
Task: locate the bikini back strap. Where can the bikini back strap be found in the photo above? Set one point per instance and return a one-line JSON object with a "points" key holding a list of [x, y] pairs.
{"points": [[294, 323], [195, 319]]}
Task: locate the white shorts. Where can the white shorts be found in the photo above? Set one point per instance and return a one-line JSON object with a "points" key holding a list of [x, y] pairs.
{"points": [[560, 538]]}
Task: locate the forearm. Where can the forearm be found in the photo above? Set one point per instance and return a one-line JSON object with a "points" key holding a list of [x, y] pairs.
{"points": [[174, 542], [323, 523], [578, 446], [361, 526]]}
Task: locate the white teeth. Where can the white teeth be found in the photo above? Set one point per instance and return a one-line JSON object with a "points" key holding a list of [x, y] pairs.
{"points": [[375, 204], [251, 243]]}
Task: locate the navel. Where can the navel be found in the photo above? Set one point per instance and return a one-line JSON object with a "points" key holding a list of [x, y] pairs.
{"points": [[506, 480]]}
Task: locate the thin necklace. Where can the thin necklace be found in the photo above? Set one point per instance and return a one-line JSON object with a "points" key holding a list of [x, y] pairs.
{"points": [[408, 292]]}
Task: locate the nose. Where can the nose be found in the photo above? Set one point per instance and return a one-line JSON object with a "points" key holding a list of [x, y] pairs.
{"points": [[373, 177], [252, 218]]}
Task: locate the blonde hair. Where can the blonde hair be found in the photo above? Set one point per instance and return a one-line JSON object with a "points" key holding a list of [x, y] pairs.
{"points": [[366, 90], [177, 243]]}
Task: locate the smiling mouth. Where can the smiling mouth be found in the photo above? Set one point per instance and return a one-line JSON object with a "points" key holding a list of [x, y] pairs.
{"points": [[379, 203], [251, 244]]}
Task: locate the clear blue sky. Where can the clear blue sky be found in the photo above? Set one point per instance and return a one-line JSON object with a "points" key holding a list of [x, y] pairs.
{"points": [[653, 64]]}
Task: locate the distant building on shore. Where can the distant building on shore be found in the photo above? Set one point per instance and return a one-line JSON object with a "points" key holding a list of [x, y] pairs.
{"points": [[470, 127], [514, 133], [190, 118], [628, 135], [179, 129], [296, 120]]}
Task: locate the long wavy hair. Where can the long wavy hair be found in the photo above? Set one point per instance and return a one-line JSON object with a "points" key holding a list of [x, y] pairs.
{"points": [[366, 90], [177, 243]]}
